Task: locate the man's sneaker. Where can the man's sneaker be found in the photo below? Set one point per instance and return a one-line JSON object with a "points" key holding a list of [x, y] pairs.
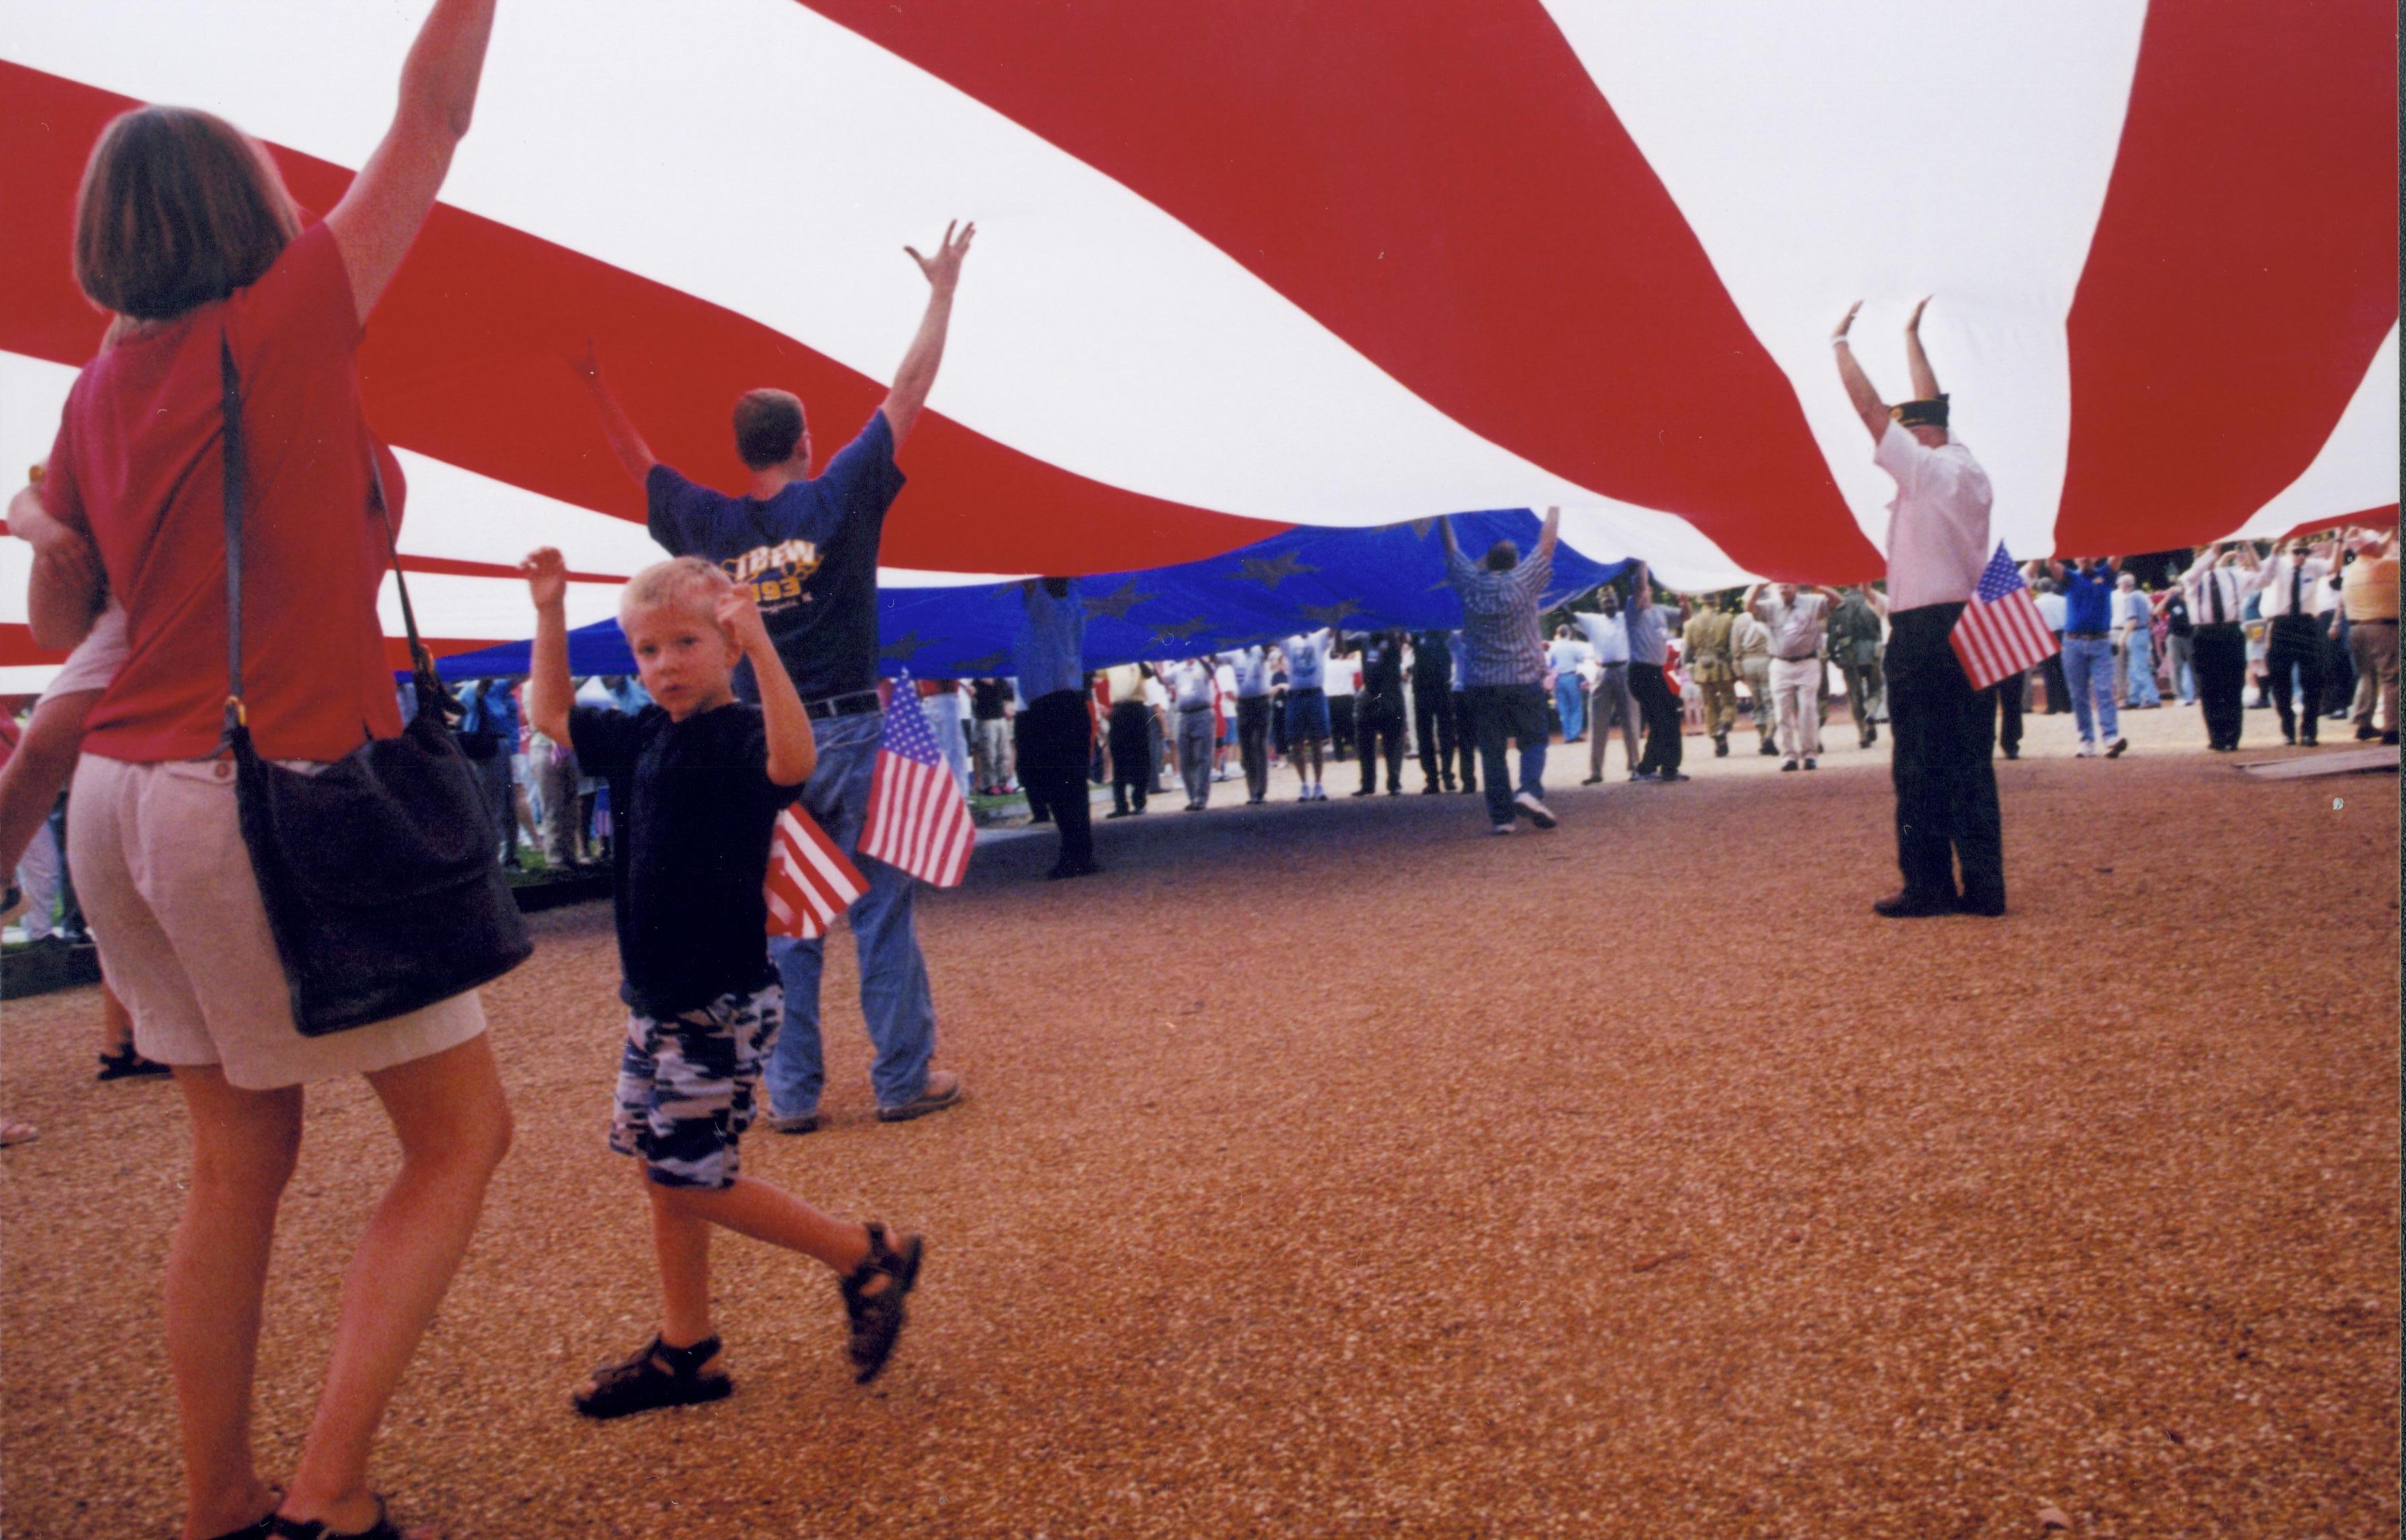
{"points": [[1810, 763], [2115, 752], [943, 1090], [1641, 776], [800, 1123], [1501, 828], [1532, 809], [1669, 776], [1788, 764], [1720, 746], [2086, 750], [1769, 748]]}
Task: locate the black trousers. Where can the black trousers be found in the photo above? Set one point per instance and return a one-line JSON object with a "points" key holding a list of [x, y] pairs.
{"points": [[1466, 739], [1052, 754], [1661, 709], [1340, 724], [2295, 646], [1432, 724], [2058, 689], [1379, 727], [2008, 714], [1254, 743], [1131, 728], [2217, 655], [1945, 785]]}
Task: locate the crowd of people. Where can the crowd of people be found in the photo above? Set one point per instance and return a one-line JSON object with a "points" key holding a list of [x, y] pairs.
{"points": [[756, 653]]}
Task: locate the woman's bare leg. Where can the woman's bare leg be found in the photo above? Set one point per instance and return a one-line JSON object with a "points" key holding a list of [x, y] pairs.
{"points": [[243, 1145], [454, 1125]]}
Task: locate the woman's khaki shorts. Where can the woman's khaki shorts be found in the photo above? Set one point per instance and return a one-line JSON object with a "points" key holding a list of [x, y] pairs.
{"points": [[166, 884]]}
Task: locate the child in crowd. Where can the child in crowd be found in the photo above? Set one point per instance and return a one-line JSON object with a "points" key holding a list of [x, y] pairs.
{"points": [[697, 780]]}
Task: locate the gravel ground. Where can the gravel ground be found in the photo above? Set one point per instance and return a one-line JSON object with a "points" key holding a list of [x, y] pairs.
{"points": [[1343, 1170]]}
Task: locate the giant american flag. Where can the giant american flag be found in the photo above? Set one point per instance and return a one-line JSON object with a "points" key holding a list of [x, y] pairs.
{"points": [[2001, 632], [918, 818]]}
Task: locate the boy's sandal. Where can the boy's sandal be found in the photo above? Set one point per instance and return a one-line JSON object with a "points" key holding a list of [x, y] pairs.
{"points": [[877, 1319], [126, 1063], [653, 1377], [315, 1529]]}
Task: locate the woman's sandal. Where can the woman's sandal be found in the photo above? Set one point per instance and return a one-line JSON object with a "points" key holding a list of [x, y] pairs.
{"points": [[877, 1319], [126, 1063], [315, 1529], [654, 1375]]}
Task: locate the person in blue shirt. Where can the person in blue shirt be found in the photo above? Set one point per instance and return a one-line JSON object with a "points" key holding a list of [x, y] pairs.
{"points": [[488, 732], [806, 548], [2087, 590]]}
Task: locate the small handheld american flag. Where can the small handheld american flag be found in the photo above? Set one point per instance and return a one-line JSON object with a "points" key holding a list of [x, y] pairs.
{"points": [[810, 882], [2001, 632], [918, 818]]}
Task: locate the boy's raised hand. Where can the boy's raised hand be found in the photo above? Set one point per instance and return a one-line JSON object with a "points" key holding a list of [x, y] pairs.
{"points": [[739, 616], [547, 575]]}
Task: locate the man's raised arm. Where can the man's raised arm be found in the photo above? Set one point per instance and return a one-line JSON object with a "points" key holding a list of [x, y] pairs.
{"points": [[1550, 534], [1917, 362], [1859, 390], [917, 376], [625, 440]]}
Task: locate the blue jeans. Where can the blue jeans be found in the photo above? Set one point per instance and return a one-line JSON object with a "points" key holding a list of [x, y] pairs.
{"points": [[2089, 669], [893, 999], [2139, 671], [1517, 713], [1570, 701]]}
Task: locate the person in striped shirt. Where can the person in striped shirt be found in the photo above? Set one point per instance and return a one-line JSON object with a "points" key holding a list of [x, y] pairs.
{"points": [[1502, 665]]}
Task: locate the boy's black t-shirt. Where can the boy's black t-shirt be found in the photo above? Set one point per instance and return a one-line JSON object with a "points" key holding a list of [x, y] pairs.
{"points": [[691, 809]]}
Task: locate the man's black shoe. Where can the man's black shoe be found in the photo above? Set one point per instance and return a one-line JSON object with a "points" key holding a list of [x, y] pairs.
{"points": [[1084, 868], [1987, 908], [1909, 906], [2119, 746], [1721, 747], [1769, 748]]}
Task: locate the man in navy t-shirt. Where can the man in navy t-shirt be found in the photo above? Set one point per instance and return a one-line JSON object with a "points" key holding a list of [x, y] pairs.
{"points": [[807, 548]]}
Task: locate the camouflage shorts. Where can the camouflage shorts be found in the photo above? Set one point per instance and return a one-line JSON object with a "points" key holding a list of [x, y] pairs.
{"points": [[687, 1087]]}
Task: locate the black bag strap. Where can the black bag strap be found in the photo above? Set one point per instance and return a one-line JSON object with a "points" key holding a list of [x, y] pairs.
{"points": [[429, 685]]}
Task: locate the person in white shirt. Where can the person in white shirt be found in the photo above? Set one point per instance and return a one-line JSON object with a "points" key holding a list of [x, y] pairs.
{"points": [[1947, 809], [1564, 656], [2217, 585], [1307, 709], [2134, 622], [1609, 702], [1191, 686], [1250, 667], [1796, 618], [2052, 609], [1751, 653], [2298, 609]]}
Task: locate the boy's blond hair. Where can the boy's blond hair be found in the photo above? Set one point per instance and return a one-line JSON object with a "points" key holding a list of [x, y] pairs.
{"points": [[686, 584]]}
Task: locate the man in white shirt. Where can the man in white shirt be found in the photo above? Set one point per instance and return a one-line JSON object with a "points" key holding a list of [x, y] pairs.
{"points": [[1609, 702], [2053, 610], [1306, 710], [1937, 544], [2134, 623], [1252, 667], [2298, 609], [1564, 656], [1750, 652], [1795, 618], [1191, 688], [2217, 585]]}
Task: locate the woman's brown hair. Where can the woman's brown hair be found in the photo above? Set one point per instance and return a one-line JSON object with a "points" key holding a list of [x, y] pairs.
{"points": [[178, 209]]}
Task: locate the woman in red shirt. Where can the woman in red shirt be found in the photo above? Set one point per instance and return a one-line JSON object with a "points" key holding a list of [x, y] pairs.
{"points": [[185, 233]]}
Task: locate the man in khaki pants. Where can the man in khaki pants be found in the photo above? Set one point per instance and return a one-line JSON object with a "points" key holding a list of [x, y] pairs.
{"points": [[2368, 590], [1704, 648]]}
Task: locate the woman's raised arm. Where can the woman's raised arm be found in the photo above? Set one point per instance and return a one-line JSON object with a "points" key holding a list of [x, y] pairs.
{"points": [[389, 201]]}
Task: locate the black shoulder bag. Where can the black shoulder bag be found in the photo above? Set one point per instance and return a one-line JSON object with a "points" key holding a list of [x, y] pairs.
{"points": [[378, 873]]}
